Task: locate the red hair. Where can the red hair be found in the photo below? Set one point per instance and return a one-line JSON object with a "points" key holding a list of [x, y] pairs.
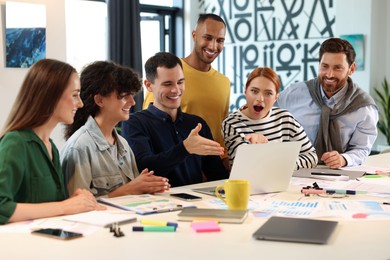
{"points": [[266, 73]]}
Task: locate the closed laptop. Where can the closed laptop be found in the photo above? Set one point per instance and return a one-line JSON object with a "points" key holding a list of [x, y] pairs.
{"points": [[296, 230]]}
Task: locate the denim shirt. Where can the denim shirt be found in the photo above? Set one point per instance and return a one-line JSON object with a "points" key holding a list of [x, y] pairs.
{"points": [[87, 161]]}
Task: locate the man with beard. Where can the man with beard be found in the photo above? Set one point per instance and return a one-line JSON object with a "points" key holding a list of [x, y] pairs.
{"points": [[207, 91], [339, 118]]}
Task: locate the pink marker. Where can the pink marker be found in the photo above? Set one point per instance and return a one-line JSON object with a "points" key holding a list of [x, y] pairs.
{"points": [[313, 191]]}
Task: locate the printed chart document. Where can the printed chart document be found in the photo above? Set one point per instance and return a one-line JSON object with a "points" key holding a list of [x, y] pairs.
{"points": [[103, 218], [145, 204]]}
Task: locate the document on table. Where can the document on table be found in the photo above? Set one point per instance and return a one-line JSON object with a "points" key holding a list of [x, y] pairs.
{"points": [[321, 207], [56, 222], [353, 209], [146, 204], [367, 169], [287, 208], [102, 218], [380, 185]]}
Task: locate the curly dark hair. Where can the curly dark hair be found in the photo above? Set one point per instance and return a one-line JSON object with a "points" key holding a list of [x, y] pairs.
{"points": [[103, 78]]}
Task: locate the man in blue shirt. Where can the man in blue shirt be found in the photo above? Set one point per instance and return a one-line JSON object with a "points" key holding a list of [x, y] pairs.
{"points": [[173, 144], [339, 118]]}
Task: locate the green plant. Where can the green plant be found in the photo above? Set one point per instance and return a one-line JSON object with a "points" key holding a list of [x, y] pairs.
{"points": [[383, 98]]}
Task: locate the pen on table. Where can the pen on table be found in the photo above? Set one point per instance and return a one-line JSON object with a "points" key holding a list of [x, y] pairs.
{"points": [[179, 207], [325, 174], [386, 203], [154, 228], [340, 191], [330, 191], [152, 222]]}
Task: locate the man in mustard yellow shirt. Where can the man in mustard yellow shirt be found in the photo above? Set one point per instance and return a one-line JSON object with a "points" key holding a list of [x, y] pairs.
{"points": [[207, 91]]}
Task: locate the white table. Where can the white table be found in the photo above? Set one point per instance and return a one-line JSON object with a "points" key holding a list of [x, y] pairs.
{"points": [[351, 240]]}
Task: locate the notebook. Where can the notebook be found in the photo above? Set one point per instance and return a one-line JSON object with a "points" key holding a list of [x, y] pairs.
{"points": [[268, 167], [296, 230], [219, 215]]}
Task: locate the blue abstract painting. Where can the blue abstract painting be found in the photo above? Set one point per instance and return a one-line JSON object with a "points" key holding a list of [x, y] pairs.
{"points": [[25, 34], [24, 46], [357, 42]]}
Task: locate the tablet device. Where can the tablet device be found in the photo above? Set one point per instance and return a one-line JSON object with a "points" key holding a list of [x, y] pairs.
{"points": [[296, 230]]}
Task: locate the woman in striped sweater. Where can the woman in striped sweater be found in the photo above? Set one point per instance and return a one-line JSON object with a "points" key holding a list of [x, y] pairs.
{"points": [[259, 122]]}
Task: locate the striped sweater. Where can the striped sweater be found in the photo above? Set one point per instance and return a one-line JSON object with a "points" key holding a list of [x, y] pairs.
{"points": [[278, 126]]}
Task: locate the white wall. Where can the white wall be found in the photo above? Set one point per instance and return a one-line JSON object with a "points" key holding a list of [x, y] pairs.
{"points": [[352, 23], [11, 78], [190, 18], [379, 51], [376, 30]]}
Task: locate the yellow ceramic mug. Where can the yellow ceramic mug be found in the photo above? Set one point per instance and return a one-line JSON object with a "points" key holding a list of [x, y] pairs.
{"points": [[236, 194]]}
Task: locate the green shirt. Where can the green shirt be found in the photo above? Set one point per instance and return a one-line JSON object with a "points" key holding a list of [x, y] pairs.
{"points": [[27, 175]]}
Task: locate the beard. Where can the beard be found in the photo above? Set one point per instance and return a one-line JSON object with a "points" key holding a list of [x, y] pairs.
{"points": [[334, 87], [203, 57]]}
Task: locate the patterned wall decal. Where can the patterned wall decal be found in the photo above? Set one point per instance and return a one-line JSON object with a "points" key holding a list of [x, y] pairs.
{"points": [[282, 34]]}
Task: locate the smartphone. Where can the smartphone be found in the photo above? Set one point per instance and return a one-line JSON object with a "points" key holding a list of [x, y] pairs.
{"points": [[186, 196], [57, 233]]}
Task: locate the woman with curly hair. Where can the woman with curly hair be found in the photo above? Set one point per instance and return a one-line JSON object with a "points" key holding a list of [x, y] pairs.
{"points": [[95, 156]]}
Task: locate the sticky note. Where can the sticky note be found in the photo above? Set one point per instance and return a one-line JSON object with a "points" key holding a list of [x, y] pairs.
{"points": [[208, 226]]}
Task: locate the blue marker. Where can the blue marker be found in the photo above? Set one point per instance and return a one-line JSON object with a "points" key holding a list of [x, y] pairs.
{"points": [[348, 192]]}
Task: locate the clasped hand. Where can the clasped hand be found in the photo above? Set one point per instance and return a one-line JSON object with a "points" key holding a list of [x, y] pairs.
{"points": [[333, 160]]}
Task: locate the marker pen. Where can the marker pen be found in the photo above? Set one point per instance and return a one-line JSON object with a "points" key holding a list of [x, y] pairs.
{"points": [[313, 191], [154, 229], [151, 222], [338, 191]]}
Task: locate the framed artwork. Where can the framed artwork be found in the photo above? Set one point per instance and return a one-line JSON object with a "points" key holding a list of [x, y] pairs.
{"points": [[25, 34], [357, 41]]}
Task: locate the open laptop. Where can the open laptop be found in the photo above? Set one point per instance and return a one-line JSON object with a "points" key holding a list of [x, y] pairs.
{"points": [[268, 167]]}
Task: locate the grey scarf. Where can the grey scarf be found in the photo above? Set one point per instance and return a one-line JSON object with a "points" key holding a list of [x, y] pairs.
{"points": [[328, 136]]}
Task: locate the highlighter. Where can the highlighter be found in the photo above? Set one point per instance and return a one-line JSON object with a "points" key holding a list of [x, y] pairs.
{"points": [[150, 222], [154, 229]]}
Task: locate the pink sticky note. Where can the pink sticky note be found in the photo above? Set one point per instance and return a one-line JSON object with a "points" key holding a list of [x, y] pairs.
{"points": [[208, 226]]}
